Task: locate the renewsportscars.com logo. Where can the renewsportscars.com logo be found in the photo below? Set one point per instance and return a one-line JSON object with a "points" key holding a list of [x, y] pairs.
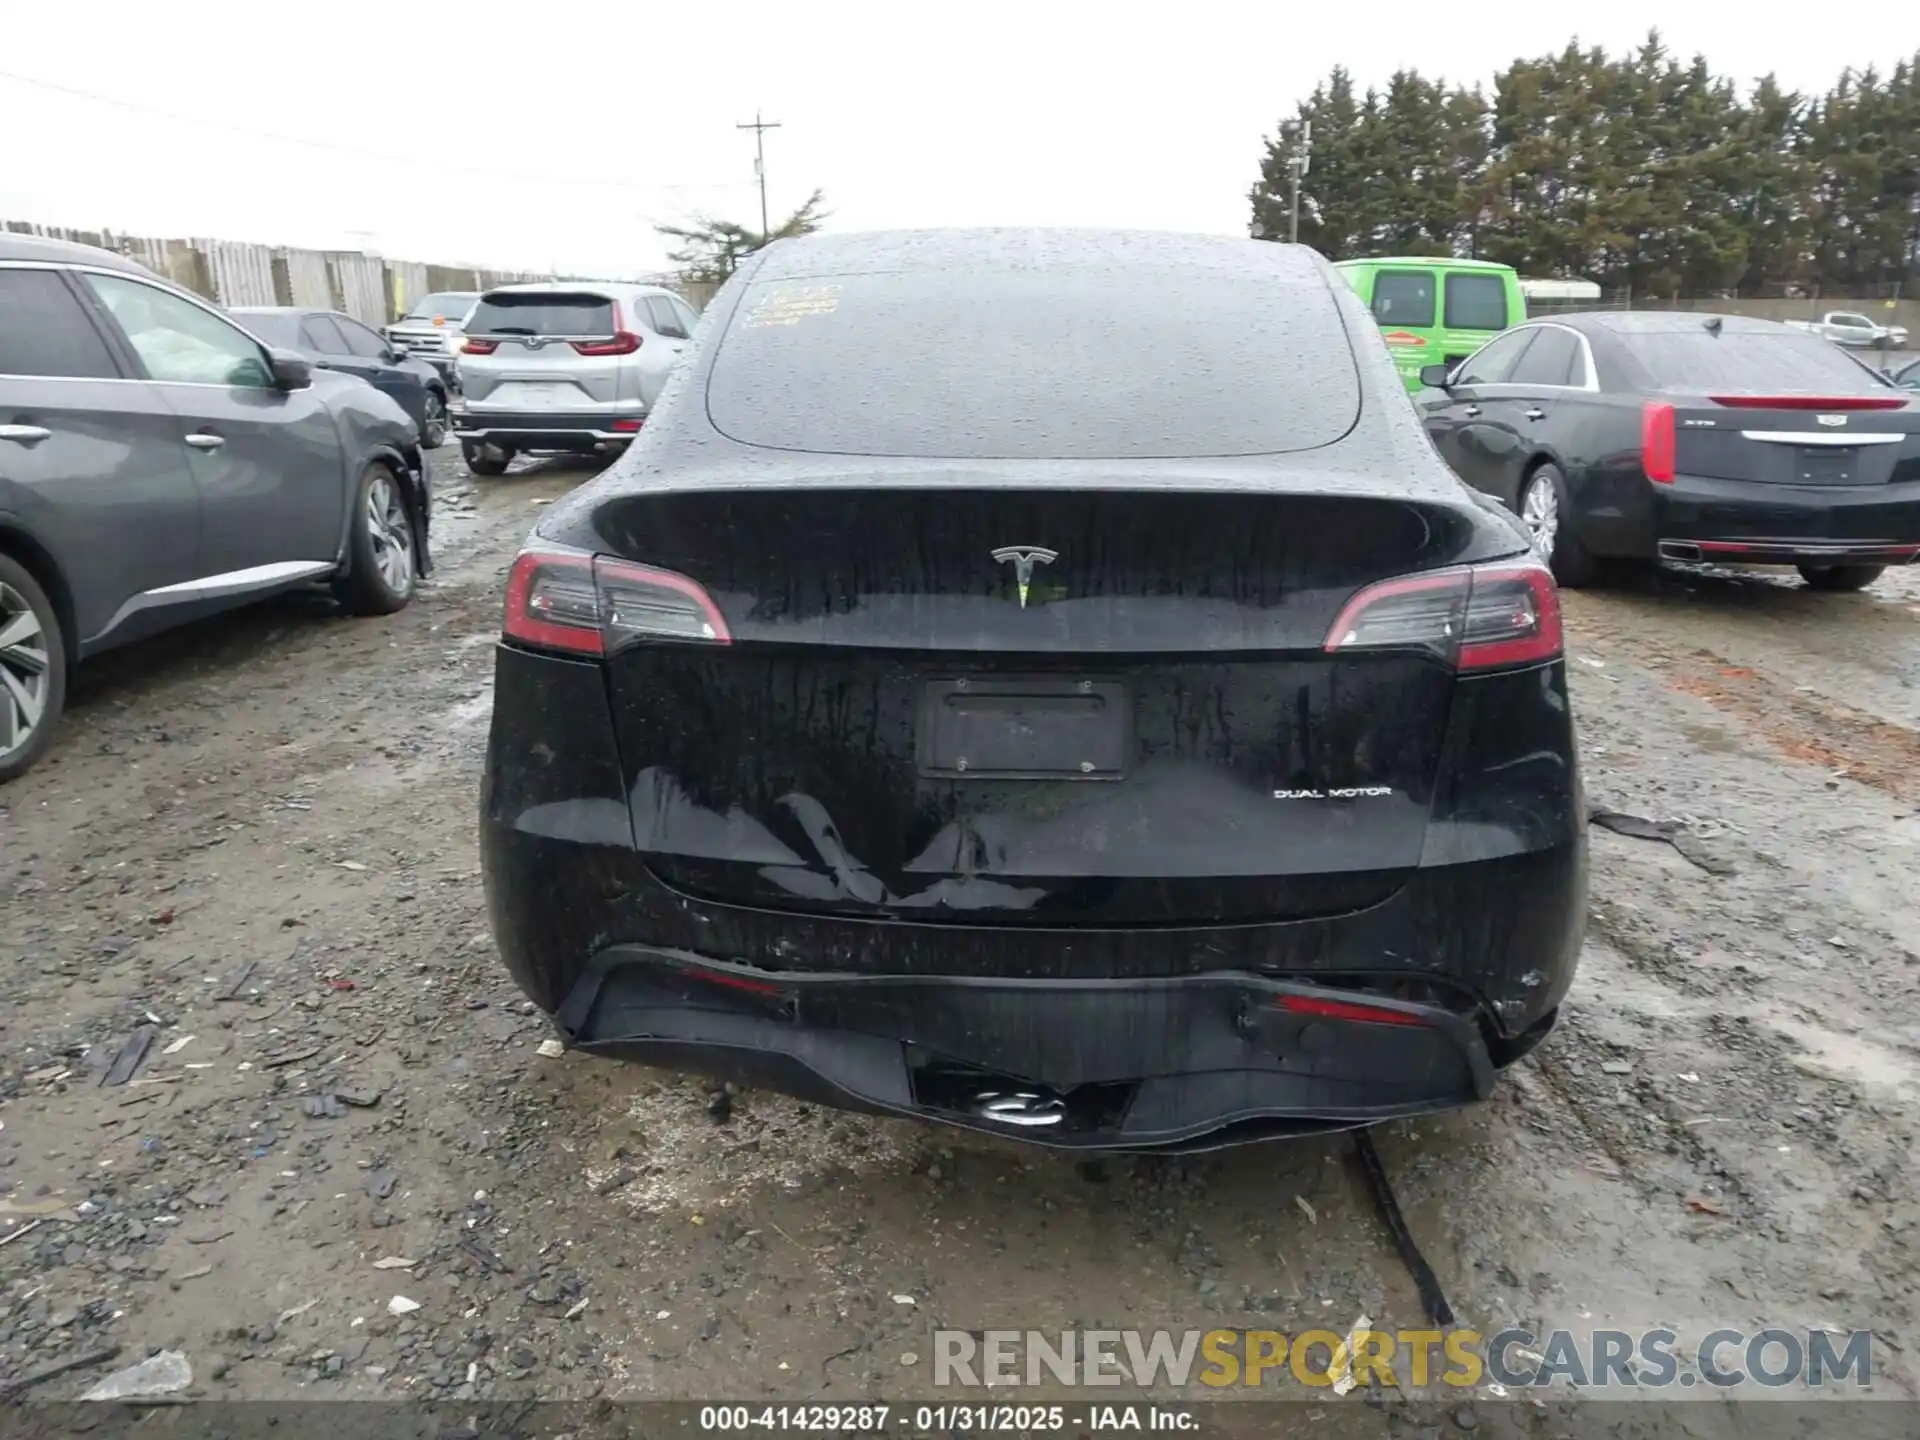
{"points": [[1404, 1359]]}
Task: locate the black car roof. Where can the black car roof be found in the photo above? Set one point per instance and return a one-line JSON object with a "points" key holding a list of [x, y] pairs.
{"points": [[903, 251], [1656, 322], [65, 252]]}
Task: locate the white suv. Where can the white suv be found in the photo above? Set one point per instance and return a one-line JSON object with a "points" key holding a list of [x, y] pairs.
{"points": [[563, 367]]}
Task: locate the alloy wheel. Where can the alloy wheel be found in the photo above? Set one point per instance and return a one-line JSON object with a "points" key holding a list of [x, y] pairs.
{"points": [[1540, 513], [391, 533], [26, 675]]}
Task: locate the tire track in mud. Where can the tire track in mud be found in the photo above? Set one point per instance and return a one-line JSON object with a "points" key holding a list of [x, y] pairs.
{"points": [[1804, 725], [1762, 1026]]}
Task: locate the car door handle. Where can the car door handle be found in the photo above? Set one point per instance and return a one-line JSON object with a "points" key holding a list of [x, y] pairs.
{"points": [[206, 442], [25, 434], [1536, 414], [1471, 411]]}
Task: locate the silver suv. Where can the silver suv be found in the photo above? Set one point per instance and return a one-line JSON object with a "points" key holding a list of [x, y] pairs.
{"points": [[563, 367]]}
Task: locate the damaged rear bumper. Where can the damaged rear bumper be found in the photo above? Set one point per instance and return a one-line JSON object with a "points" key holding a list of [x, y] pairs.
{"points": [[1188, 1062]]}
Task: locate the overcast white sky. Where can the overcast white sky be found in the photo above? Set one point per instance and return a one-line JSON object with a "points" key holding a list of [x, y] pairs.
{"points": [[554, 134]]}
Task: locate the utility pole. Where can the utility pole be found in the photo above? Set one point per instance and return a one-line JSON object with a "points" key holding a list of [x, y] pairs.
{"points": [[1302, 157], [760, 128]]}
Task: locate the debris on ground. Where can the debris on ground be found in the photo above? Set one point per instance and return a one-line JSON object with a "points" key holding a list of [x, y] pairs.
{"points": [[166, 1373], [129, 1057], [1344, 1381], [99, 1355], [1699, 850], [401, 1305]]}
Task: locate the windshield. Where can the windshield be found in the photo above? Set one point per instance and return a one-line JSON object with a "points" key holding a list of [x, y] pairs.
{"points": [[1073, 362], [451, 306]]}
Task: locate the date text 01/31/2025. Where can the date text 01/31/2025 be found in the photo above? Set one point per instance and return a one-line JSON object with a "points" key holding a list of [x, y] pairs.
{"points": [[941, 1419]]}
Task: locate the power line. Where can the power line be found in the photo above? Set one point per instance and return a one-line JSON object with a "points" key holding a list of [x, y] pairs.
{"points": [[760, 128], [412, 162]]}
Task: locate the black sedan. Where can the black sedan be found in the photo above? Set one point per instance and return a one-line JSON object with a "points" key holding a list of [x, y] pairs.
{"points": [[333, 341], [981, 696], [1626, 436]]}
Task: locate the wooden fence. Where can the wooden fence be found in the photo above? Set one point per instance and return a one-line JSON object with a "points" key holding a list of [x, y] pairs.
{"points": [[236, 272]]}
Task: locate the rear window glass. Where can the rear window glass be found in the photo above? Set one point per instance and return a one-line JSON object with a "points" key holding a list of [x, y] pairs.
{"points": [[1403, 297], [452, 307], [1477, 302], [1756, 362], [1138, 362], [543, 314]]}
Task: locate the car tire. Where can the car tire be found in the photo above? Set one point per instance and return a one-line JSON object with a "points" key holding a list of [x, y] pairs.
{"points": [[1546, 514], [1840, 577], [33, 669], [433, 434], [484, 460], [382, 565]]}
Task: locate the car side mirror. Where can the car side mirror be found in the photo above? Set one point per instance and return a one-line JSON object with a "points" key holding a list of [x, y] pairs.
{"points": [[1435, 377], [291, 370]]}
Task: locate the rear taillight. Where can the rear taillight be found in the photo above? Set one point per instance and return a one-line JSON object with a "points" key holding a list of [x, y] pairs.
{"points": [[594, 605], [1656, 442], [1480, 618], [551, 602], [1810, 402], [628, 427], [624, 342], [479, 347]]}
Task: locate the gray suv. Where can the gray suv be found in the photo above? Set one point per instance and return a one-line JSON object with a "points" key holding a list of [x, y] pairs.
{"points": [[563, 368], [158, 464]]}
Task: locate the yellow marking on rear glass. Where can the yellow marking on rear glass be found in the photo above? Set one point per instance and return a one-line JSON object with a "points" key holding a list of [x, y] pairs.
{"points": [[790, 304]]}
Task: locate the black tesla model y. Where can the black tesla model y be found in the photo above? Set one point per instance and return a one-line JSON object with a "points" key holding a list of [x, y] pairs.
{"points": [[1044, 682]]}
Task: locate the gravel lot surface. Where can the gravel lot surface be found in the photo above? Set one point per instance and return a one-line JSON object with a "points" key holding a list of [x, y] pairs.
{"points": [[255, 838]]}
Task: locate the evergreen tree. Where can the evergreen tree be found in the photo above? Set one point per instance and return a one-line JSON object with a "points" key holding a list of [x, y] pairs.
{"points": [[1637, 171], [712, 249]]}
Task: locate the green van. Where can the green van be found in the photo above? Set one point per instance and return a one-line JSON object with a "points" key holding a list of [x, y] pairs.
{"points": [[1434, 310]]}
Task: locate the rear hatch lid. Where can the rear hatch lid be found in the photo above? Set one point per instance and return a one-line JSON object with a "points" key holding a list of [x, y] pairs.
{"points": [[1140, 722], [544, 350]]}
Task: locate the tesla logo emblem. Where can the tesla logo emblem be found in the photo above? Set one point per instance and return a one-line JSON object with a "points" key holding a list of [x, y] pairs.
{"points": [[1831, 419], [1023, 558]]}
